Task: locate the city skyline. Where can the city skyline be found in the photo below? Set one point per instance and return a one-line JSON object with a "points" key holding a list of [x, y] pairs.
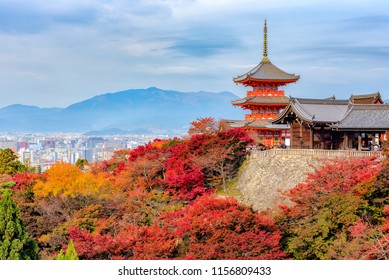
{"points": [[45, 149], [56, 54]]}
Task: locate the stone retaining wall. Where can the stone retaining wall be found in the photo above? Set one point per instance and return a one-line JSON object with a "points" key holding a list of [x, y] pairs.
{"points": [[263, 178]]}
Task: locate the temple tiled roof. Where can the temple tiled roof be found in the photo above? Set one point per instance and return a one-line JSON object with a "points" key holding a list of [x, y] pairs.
{"points": [[366, 117], [315, 110], [371, 98], [262, 100], [266, 71]]}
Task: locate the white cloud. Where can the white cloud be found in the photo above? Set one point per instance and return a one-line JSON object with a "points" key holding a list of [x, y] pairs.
{"points": [[77, 49]]}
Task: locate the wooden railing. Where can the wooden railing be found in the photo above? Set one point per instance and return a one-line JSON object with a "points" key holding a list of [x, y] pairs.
{"points": [[314, 153], [265, 92], [259, 116]]}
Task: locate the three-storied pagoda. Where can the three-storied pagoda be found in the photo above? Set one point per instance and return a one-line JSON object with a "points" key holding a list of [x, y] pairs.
{"points": [[265, 100]]}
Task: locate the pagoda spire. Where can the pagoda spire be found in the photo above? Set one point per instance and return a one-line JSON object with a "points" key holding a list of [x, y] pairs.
{"points": [[265, 58]]}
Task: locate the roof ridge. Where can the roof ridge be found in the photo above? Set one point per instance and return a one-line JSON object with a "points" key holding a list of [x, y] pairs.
{"points": [[322, 100], [302, 108], [371, 105], [351, 106]]}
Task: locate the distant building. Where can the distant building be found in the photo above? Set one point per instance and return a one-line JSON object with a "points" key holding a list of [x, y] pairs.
{"points": [[49, 144], [87, 154], [106, 155], [94, 141], [22, 145], [53, 156], [26, 156], [7, 144], [73, 157], [71, 144]]}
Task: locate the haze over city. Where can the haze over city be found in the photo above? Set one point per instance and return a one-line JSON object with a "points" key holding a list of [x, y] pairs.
{"points": [[56, 53]]}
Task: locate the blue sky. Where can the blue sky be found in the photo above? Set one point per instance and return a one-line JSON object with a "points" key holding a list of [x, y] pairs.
{"points": [[54, 53]]}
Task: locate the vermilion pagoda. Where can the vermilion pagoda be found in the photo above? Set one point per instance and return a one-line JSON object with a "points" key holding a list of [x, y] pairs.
{"points": [[265, 100]]}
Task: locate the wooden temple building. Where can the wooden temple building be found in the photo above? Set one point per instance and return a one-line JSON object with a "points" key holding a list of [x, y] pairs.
{"points": [[358, 123], [264, 101]]}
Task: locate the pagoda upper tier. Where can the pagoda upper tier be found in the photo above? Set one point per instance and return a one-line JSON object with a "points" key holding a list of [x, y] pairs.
{"points": [[265, 75]]}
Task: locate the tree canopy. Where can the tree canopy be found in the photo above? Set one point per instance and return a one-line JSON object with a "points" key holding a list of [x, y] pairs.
{"points": [[9, 162], [15, 243], [163, 200]]}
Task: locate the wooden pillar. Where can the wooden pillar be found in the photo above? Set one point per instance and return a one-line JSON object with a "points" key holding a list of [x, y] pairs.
{"points": [[345, 141], [311, 139], [376, 138], [301, 130], [301, 136], [332, 139], [359, 142]]}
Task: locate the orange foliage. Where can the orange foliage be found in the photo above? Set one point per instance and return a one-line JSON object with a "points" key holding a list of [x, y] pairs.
{"points": [[206, 126], [159, 143], [68, 180]]}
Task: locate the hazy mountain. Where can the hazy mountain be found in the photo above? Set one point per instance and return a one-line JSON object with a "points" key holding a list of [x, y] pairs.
{"points": [[130, 110], [117, 131]]}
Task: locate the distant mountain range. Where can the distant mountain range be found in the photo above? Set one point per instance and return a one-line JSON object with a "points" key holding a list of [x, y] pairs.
{"points": [[134, 110]]}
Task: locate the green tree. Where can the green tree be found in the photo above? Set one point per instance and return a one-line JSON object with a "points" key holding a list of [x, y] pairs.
{"points": [[81, 163], [15, 243], [71, 253], [9, 162]]}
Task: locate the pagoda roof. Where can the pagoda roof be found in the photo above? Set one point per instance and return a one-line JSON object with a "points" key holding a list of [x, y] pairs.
{"points": [[261, 100], [371, 98], [256, 124], [373, 117], [266, 72], [327, 111]]}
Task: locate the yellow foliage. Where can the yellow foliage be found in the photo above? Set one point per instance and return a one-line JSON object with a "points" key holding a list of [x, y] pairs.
{"points": [[64, 179]]}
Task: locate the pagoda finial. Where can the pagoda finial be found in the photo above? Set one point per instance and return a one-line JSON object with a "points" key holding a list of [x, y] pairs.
{"points": [[265, 58]]}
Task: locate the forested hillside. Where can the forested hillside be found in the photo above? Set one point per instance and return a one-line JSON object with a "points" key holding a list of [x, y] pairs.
{"points": [[169, 199]]}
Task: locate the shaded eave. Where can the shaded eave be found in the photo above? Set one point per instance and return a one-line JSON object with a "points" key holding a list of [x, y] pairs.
{"points": [[257, 124], [253, 81], [262, 101], [350, 129]]}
